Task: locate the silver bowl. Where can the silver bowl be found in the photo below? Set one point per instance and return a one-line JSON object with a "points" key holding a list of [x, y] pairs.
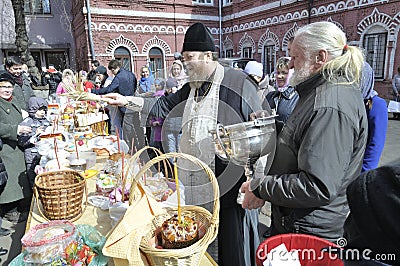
{"points": [[245, 142]]}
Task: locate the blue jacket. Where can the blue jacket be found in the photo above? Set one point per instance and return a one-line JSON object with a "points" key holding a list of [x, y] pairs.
{"points": [[123, 83], [377, 116]]}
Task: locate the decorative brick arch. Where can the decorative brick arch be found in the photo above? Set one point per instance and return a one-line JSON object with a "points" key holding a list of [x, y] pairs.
{"points": [[156, 42], [122, 41], [268, 36], [376, 18], [396, 20], [288, 35], [228, 44], [336, 23], [246, 39]]}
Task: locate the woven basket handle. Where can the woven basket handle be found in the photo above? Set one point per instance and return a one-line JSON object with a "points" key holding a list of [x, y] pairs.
{"points": [[209, 172], [37, 201], [136, 156]]}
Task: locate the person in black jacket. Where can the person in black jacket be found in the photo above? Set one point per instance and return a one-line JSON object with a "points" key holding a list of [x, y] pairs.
{"points": [[53, 77], [38, 122], [371, 229], [22, 87], [92, 73], [3, 180], [321, 147], [124, 83], [214, 94]]}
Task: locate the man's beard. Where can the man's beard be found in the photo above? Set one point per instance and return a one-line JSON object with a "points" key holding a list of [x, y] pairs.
{"points": [[197, 76], [300, 75]]}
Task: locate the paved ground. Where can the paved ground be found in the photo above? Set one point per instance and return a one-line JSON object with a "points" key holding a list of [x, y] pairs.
{"points": [[390, 155]]}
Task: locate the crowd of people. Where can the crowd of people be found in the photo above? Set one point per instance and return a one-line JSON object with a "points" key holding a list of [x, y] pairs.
{"points": [[330, 123]]}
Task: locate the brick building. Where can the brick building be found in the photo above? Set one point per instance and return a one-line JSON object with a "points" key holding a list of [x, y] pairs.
{"points": [[48, 24], [141, 32], [149, 32]]}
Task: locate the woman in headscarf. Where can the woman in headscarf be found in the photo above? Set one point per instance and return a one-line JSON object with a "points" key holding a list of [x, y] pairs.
{"points": [[178, 73], [285, 98], [67, 83], [377, 115], [145, 86]]}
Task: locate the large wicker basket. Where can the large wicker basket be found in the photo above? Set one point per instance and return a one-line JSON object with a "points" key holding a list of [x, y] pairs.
{"points": [[208, 223], [61, 194]]}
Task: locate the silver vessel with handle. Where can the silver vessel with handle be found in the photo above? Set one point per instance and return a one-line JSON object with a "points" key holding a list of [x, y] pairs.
{"points": [[245, 142]]}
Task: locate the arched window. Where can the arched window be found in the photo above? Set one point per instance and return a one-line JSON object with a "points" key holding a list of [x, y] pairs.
{"points": [[269, 57], [122, 54], [375, 48], [156, 62], [247, 51]]}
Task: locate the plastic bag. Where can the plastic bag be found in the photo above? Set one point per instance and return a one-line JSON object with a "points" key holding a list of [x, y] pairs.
{"points": [[117, 211], [45, 243], [92, 237], [85, 248]]}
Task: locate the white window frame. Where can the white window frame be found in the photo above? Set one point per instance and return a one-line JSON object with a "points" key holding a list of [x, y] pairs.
{"points": [[46, 4], [203, 2], [227, 2], [229, 53], [247, 52], [269, 63], [375, 45]]}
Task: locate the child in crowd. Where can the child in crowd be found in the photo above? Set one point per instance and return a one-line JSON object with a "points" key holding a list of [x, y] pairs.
{"points": [[37, 120], [84, 84]]}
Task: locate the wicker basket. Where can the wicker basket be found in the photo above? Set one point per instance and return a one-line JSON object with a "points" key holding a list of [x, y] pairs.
{"points": [[129, 177], [61, 194], [208, 223]]}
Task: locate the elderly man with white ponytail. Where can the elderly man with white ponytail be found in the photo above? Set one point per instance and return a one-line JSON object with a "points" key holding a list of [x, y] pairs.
{"points": [[320, 149]]}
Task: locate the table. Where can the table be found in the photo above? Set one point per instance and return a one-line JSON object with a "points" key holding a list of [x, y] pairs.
{"points": [[93, 216]]}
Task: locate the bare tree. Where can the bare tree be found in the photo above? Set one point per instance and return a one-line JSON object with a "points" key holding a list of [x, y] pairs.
{"points": [[21, 38]]}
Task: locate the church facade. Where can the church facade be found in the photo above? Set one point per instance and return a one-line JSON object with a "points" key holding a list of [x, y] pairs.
{"points": [[74, 33], [150, 32]]}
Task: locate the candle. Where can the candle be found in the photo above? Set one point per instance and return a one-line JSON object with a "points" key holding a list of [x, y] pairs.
{"points": [[54, 126], [55, 151], [144, 176], [122, 168], [76, 150], [102, 123], [132, 146], [117, 132], [177, 189]]}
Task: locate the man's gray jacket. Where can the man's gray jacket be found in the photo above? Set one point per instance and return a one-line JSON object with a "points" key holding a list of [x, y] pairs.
{"points": [[319, 152]]}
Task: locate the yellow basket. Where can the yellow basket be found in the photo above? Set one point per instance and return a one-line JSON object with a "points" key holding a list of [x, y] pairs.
{"points": [[208, 223]]}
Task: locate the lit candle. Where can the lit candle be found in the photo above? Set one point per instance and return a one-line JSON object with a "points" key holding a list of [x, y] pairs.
{"points": [[177, 189]]}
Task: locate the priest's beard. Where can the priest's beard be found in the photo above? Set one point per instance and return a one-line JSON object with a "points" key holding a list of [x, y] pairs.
{"points": [[302, 74]]}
